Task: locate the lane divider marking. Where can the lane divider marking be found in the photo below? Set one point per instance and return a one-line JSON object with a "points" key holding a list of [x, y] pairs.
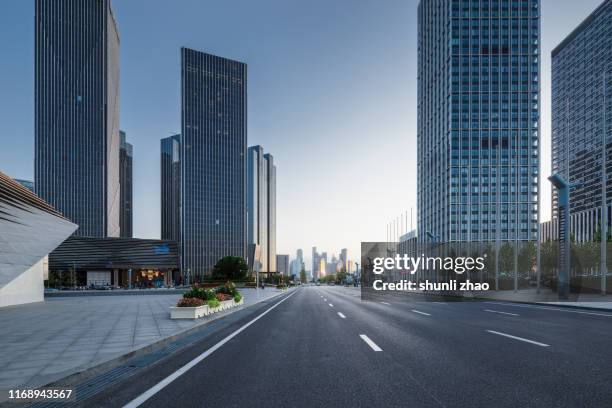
{"points": [[370, 343], [419, 312], [537, 343], [497, 311]]}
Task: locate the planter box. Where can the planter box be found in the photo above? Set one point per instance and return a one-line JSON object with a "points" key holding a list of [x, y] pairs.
{"points": [[201, 311], [189, 312]]}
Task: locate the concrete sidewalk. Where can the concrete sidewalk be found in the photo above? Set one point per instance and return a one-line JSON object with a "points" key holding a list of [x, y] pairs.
{"points": [[44, 342]]}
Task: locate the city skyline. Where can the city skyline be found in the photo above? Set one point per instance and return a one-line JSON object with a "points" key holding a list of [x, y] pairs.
{"points": [[327, 223]]}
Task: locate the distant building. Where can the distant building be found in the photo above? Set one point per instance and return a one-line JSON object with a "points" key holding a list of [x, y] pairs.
{"points": [[315, 263], [581, 112], [282, 264], [171, 188], [126, 187], [297, 263], [77, 113], [344, 259], [321, 269]]}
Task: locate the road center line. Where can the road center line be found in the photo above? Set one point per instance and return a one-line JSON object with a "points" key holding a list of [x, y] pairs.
{"points": [[385, 303], [341, 315], [419, 312], [497, 311], [537, 343], [330, 305], [370, 343], [169, 379]]}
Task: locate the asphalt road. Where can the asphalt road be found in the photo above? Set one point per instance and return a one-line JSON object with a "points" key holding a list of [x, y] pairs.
{"points": [[324, 347]]}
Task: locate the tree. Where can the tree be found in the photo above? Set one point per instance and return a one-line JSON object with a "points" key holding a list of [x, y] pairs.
{"points": [[548, 259], [230, 267], [506, 258], [527, 257], [302, 275]]}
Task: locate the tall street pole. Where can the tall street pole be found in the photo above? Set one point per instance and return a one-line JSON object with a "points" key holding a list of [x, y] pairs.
{"points": [[604, 201]]}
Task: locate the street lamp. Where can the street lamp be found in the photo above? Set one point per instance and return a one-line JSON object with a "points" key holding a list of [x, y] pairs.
{"points": [[563, 188]]}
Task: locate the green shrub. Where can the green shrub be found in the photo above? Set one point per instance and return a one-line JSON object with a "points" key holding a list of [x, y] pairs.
{"points": [[190, 302], [237, 297], [200, 293], [213, 303]]}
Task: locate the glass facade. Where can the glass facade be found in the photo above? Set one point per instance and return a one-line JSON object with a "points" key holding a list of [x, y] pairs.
{"points": [[126, 155], [171, 188], [77, 112], [478, 120], [270, 177], [213, 160], [581, 83], [261, 205]]}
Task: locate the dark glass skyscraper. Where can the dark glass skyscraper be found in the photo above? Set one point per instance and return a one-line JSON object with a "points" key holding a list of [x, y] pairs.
{"points": [[213, 160], [171, 188], [77, 112], [126, 215], [581, 84], [478, 119]]}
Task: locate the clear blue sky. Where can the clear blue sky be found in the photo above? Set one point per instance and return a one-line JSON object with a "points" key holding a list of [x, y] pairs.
{"points": [[332, 95]]}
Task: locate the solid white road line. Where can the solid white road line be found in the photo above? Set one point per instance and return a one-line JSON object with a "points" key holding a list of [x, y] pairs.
{"points": [[419, 312], [330, 305], [325, 300], [136, 402], [341, 315], [497, 311], [385, 303], [370, 343], [550, 308], [537, 343]]}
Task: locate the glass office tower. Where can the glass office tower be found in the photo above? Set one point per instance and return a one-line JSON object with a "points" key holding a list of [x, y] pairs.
{"points": [[478, 120], [257, 196], [270, 177], [77, 112], [581, 111], [171, 188], [261, 205], [213, 160], [126, 155]]}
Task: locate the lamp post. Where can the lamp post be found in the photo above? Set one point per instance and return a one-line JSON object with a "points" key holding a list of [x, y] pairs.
{"points": [[563, 188], [604, 199]]}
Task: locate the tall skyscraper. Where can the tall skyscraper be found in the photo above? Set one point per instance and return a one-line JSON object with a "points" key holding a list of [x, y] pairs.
{"points": [[344, 259], [270, 175], [261, 205], [171, 188], [126, 155], [581, 85], [77, 112], [213, 160], [315, 263], [478, 120], [257, 196]]}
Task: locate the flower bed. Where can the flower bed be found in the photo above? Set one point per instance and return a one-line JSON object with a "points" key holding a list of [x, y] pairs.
{"points": [[200, 302]]}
